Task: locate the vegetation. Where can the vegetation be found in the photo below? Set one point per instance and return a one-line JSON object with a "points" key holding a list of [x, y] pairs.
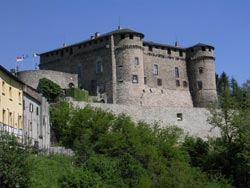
{"points": [[14, 166], [77, 94], [49, 89], [228, 155], [113, 151]]}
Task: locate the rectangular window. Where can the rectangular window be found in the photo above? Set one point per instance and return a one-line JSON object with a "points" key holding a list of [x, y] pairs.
{"points": [[37, 111], [177, 75], [134, 79], [169, 51], [3, 86], [93, 87], [4, 112], [159, 82], [10, 92], [155, 69], [136, 61], [99, 68], [31, 107], [199, 85], [185, 84], [181, 53], [200, 70], [145, 80], [150, 48], [179, 116], [122, 36], [10, 119], [131, 36], [177, 82], [19, 97]]}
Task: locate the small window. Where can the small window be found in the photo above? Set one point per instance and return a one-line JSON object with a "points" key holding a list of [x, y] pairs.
{"points": [[203, 48], [99, 68], [10, 92], [62, 53], [145, 80], [177, 75], [179, 116], [159, 82], [209, 49], [131, 36], [134, 78], [155, 69], [37, 111], [185, 84], [169, 51], [199, 85], [200, 70], [177, 82], [150, 48], [192, 50], [122, 36], [71, 51], [181, 53], [10, 119], [31, 107], [4, 113], [19, 97], [23, 104], [3, 86], [136, 61]]}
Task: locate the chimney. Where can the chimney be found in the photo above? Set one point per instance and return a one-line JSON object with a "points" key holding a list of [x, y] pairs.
{"points": [[176, 44], [64, 44], [92, 37], [97, 34], [119, 27]]}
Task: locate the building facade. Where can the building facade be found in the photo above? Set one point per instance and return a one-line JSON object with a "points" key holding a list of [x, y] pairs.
{"points": [[11, 103], [120, 68], [36, 131]]}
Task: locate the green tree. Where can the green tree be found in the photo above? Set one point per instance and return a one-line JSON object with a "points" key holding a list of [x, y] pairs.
{"points": [[14, 164], [49, 89]]}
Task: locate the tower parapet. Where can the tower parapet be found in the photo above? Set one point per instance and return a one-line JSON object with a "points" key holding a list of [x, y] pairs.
{"points": [[201, 74]]}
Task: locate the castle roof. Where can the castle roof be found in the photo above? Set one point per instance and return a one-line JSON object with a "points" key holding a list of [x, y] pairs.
{"points": [[202, 45], [115, 32], [10, 75]]}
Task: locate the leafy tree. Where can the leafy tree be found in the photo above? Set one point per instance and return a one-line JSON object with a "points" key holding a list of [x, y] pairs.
{"points": [[223, 83], [49, 89], [14, 166], [117, 152]]}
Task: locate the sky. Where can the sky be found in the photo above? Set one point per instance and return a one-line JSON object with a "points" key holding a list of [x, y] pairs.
{"points": [[37, 26]]}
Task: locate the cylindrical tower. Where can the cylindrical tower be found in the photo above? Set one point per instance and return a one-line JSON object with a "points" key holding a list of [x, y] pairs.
{"points": [[201, 74], [129, 67]]}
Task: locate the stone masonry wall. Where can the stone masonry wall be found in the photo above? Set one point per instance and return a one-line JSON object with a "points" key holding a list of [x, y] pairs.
{"points": [[194, 120], [32, 78]]}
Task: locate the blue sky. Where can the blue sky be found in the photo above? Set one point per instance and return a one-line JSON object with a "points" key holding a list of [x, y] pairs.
{"points": [[36, 26]]}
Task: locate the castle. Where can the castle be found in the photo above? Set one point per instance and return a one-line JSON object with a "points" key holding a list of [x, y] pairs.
{"points": [[120, 68]]}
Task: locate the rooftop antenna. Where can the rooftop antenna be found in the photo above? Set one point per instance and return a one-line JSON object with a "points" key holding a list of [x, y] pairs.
{"points": [[119, 26]]}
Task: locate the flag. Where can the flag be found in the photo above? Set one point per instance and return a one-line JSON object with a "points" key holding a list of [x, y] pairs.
{"points": [[36, 54], [18, 59]]}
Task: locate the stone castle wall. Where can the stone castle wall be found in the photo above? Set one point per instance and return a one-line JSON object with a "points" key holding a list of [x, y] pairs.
{"points": [[194, 120], [122, 81], [32, 78]]}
